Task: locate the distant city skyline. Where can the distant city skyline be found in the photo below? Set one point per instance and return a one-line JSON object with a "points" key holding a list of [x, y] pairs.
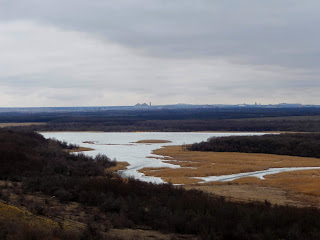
{"points": [[146, 106]]}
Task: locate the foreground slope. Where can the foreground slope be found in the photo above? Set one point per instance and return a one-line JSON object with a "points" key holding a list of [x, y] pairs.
{"points": [[41, 177]]}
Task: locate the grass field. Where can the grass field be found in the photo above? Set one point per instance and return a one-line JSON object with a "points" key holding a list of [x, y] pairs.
{"points": [[202, 164], [297, 184]]}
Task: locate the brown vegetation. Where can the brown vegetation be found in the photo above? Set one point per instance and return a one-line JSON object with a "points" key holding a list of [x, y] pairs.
{"points": [[119, 166], [283, 188], [202, 164], [247, 192]]}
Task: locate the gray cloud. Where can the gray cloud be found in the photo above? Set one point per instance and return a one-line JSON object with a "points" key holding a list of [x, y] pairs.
{"points": [[273, 32], [192, 51]]}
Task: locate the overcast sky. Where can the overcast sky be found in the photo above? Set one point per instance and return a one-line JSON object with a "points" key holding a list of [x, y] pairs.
{"points": [[111, 52]]}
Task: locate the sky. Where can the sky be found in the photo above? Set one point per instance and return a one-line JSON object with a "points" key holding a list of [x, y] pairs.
{"points": [[117, 53]]}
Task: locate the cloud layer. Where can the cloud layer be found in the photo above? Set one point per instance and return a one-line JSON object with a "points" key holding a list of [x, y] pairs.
{"points": [[57, 53]]}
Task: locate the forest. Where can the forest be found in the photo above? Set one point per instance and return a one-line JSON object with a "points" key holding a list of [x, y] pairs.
{"points": [[33, 166], [303, 145], [174, 120]]}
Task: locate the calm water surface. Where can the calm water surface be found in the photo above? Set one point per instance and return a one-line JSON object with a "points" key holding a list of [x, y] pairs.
{"points": [[122, 147]]}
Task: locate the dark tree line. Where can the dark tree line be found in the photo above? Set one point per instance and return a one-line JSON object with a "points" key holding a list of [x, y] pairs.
{"points": [[303, 145], [213, 119]]}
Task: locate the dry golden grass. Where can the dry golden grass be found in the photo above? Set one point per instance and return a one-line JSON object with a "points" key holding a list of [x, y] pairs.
{"points": [[307, 182], [118, 167], [81, 149], [21, 124], [153, 141], [296, 188], [202, 164], [240, 192]]}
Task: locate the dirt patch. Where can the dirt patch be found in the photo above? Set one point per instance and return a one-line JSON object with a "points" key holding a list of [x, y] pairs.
{"points": [[153, 141]]}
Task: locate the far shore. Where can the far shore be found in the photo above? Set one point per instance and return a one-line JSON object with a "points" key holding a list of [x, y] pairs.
{"points": [[153, 141], [271, 132], [69, 131], [17, 124]]}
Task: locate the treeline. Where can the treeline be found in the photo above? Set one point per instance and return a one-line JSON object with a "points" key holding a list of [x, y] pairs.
{"points": [[28, 154], [303, 145], [157, 114], [252, 125], [43, 167], [234, 119]]}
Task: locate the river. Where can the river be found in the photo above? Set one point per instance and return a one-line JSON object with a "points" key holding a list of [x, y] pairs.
{"points": [[122, 146]]}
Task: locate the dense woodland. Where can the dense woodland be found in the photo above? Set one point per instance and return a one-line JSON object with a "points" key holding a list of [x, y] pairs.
{"points": [[303, 145], [212, 119], [43, 167]]}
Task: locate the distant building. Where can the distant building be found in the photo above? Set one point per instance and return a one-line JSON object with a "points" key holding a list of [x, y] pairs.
{"points": [[142, 105]]}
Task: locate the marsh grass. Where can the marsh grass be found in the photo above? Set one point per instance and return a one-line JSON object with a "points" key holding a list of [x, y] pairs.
{"points": [[297, 184], [202, 164], [119, 166]]}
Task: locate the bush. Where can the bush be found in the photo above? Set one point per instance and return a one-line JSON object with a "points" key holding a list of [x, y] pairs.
{"points": [[63, 195]]}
